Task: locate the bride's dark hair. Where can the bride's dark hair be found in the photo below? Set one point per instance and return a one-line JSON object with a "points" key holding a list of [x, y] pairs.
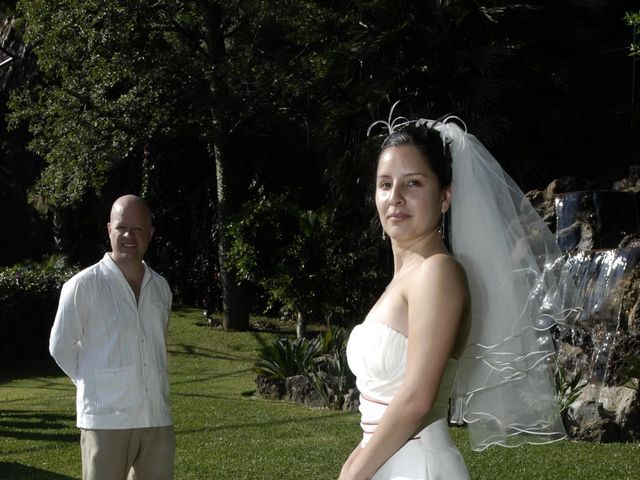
{"points": [[430, 144]]}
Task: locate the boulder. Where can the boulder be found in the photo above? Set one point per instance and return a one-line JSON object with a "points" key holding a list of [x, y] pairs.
{"points": [[631, 183], [595, 219], [624, 405], [299, 389], [544, 200], [590, 422], [351, 400], [568, 183], [272, 389]]}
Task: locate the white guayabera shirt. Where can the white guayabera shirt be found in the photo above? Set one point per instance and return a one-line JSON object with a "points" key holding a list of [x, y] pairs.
{"points": [[114, 348]]}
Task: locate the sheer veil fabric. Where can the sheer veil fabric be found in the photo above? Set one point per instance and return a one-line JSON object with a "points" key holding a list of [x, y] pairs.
{"points": [[520, 289]]}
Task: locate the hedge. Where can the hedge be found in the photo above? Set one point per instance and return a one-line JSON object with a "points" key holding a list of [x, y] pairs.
{"points": [[29, 295]]}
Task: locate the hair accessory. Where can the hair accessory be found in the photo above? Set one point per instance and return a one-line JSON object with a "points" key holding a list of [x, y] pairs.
{"points": [[391, 125], [398, 123]]}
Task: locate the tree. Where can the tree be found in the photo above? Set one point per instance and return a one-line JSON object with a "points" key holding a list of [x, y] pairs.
{"points": [[117, 76]]}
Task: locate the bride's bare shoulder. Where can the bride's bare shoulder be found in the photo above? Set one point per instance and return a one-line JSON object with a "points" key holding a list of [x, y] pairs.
{"points": [[441, 264], [440, 270]]}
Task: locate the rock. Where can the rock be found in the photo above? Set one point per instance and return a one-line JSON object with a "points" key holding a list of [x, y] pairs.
{"points": [[270, 389], [536, 197], [545, 208], [568, 183], [573, 358], [299, 389], [631, 183], [590, 422], [595, 219], [621, 185], [543, 201], [630, 241], [633, 319], [624, 403], [352, 400]]}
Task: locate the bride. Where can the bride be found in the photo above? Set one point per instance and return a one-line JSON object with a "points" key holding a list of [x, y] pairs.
{"points": [[473, 326]]}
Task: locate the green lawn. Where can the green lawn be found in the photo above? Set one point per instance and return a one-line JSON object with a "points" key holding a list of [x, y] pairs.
{"points": [[224, 432]]}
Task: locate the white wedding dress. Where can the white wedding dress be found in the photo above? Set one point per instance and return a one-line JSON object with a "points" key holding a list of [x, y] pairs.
{"points": [[377, 355]]}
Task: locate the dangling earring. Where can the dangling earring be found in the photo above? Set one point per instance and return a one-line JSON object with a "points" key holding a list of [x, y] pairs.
{"points": [[384, 235], [442, 229]]}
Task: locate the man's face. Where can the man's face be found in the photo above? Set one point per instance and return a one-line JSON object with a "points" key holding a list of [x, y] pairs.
{"points": [[130, 232]]}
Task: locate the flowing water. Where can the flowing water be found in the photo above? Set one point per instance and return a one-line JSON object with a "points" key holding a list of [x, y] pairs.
{"points": [[600, 277]]}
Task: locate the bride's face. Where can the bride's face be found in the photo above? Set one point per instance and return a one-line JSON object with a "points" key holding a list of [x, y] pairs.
{"points": [[409, 198]]}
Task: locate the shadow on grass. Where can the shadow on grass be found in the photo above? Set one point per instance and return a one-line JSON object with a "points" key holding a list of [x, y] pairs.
{"points": [[39, 367], [211, 377], [17, 471], [29, 425], [199, 351]]}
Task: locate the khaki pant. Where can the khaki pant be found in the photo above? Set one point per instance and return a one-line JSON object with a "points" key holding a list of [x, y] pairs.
{"points": [[133, 454]]}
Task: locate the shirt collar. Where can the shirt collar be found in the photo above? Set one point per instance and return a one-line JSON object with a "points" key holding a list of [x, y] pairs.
{"points": [[111, 265]]}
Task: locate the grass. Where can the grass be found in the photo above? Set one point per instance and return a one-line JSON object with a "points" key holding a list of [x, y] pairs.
{"points": [[225, 432]]}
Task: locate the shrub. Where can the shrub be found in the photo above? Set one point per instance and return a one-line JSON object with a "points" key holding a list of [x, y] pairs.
{"points": [[334, 339], [322, 360], [303, 261], [567, 392], [286, 358], [290, 253], [29, 295], [332, 378]]}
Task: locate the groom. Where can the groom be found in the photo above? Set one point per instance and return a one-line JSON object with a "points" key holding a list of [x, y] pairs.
{"points": [[109, 337]]}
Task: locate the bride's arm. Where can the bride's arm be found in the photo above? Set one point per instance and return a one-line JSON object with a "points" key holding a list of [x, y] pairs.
{"points": [[437, 297], [344, 472]]}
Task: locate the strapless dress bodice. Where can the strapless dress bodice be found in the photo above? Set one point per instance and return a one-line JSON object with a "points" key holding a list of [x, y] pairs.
{"points": [[377, 356]]}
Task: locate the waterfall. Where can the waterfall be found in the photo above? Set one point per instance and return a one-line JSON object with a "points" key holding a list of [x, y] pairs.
{"points": [[600, 277]]}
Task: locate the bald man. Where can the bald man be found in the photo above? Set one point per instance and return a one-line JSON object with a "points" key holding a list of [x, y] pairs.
{"points": [[109, 337]]}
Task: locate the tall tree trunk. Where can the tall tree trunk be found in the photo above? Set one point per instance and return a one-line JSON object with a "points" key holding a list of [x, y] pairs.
{"points": [[301, 325], [228, 174]]}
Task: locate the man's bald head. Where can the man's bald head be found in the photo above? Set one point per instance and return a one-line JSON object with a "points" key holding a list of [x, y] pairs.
{"points": [[132, 203], [130, 230]]}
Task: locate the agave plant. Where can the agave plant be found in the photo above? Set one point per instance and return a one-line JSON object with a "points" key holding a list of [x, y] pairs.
{"points": [[334, 339], [322, 360], [286, 358]]}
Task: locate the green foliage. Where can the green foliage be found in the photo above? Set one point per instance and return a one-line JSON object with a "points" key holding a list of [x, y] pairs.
{"points": [[116, 74], [286, 358], [333, 339], [331, 376], [292, 254], [112, 75], [632, 19], [33, 279], [567, 390], [28, 298], [323, 360], [630, 372]]}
